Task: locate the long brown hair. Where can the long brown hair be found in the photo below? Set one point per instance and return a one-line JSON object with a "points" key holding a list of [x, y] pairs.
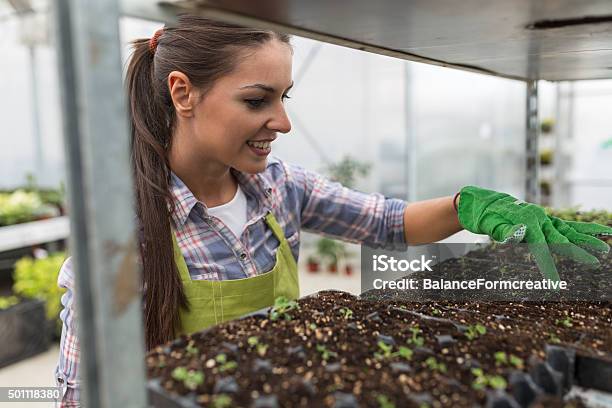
{"points": [[204, 50]]}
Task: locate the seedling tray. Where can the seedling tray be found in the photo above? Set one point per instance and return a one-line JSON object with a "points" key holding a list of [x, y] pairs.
{"points": [[340, 362]]}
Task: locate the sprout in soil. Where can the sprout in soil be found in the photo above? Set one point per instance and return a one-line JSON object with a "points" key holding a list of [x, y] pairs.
{"points": [[483, 380], [190, 378], [387, 352], [191, 349], [312, 326], [261, 348], [435, 312], [346, 313], [222, 401], [567, 322], [475, 331], [417, 340], [325, 353], [282, 307], [501, 358], [384, 401], [553, 338], [224, 364], [433, 364]]}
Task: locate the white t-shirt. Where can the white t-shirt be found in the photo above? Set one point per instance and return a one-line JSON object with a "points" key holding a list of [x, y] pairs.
{"points": [[233, 214]]}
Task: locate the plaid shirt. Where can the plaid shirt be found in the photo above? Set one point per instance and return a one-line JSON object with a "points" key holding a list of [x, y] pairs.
{"points": [[298, 198]]}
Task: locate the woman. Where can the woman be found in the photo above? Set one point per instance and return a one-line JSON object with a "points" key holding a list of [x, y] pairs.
{"points": [[220, 219]]}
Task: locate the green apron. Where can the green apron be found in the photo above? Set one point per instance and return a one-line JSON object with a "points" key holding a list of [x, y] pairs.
{"points": [[213, 302]]}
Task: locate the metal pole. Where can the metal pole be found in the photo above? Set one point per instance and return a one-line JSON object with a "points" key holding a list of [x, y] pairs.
{"points": [[410, 152], [39, 165], [532, 131], [100, 197]]}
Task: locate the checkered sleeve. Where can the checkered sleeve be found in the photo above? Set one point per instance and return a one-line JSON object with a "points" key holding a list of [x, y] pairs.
{"points": [[67, 369], [331, 209]]}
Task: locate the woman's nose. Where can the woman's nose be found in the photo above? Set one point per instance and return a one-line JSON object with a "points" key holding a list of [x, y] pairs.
{"points": [[280, 122]]}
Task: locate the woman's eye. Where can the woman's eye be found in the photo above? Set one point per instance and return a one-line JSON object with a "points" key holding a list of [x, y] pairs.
{"points": [[255, 103]]}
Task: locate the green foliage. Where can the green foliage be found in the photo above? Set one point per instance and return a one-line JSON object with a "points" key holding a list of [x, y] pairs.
{"points": [[574, 214], [384, 401], [222, 401], [224, 363], [190, 378], [23, 206], [325, 353], [261, 348], [386, 352], [483, 380], [346, 313], [330, 249], [191, 350], [501, 358], [282, 307], [552, 337], [434, 365], [8, 301], [566, 322], [475, 331], [347, 171], [37, 279], [415, 338]]}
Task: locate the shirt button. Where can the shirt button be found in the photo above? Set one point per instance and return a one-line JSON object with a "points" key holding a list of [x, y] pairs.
{"points": [[243, 256]]}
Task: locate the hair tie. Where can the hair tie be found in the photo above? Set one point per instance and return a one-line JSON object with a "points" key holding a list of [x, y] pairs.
{"points": [[154, 39]]}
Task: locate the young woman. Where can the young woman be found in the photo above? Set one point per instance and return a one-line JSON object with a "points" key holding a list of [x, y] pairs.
{"points": [[220, 219]]}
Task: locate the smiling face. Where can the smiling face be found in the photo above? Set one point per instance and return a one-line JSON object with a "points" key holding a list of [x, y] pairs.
{"points": [[234, 122]]}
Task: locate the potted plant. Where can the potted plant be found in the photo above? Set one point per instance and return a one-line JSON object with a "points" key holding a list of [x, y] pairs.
{"points": [[331, 250], [312, 264], [37, 279], [547, 125]]}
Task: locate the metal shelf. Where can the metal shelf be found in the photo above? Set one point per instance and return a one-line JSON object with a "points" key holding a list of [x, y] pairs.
{"points": [[34, 233], [521, 39]]}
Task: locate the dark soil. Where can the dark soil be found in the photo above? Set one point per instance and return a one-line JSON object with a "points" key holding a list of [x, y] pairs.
{"points": [[290, 368]]}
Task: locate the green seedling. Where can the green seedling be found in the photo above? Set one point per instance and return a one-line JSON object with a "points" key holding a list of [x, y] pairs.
{"points": [[312, 326], [346, 313], [566, 322], [191, 350], [501, 358], [222, 401], [224, 364], [553, 338], [434, 365], [435, 312], [325, 353], [261, 348], [384, 401], [282, 307], [387, 352], [190, 378], [415, 338], [483, 380], [475, 331]]}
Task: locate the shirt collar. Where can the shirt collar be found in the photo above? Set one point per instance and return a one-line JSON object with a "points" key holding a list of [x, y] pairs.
{"points": [[256, 187]]}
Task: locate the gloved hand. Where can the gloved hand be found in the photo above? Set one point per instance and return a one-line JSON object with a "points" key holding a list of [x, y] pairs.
{"points": [[507, 219]]}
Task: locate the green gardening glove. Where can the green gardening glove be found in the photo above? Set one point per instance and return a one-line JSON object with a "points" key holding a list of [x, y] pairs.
{"points": [[506, 219]]}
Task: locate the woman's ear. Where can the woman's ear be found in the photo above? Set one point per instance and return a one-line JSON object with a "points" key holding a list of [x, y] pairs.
{"points": [[184, 95]]}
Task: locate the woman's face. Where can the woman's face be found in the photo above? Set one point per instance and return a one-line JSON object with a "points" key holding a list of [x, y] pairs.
{"points": [[235, 122]]}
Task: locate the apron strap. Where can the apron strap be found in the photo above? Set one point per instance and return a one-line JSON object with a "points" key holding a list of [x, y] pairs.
{"points": [[275, 227]]}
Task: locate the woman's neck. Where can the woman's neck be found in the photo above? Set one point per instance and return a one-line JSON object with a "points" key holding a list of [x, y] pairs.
{"points": [[210, 182]]}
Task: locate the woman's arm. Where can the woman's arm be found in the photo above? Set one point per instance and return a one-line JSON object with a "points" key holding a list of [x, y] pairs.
{"points": [[430, 220]]}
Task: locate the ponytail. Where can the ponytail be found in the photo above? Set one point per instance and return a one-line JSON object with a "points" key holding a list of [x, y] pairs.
{"points": [[150, 139]]}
